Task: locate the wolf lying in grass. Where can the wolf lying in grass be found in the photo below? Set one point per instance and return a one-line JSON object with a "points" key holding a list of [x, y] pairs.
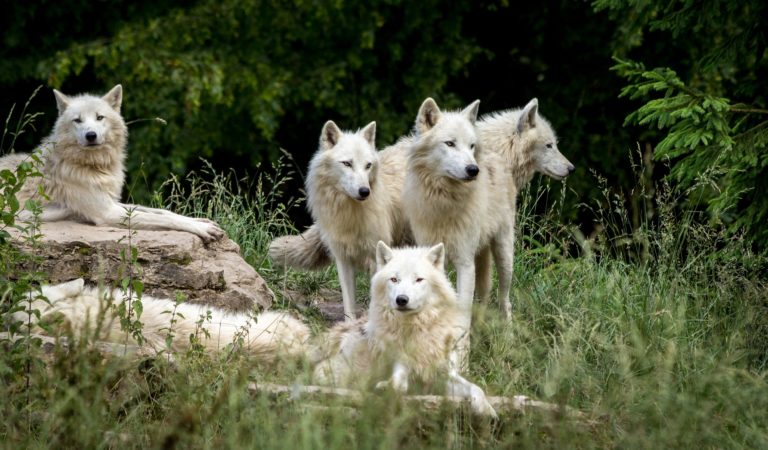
{"points": [[414, 323], [93, 312]]}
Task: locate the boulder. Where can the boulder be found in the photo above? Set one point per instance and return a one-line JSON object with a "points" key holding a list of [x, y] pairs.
{"points": [[169, 262]]}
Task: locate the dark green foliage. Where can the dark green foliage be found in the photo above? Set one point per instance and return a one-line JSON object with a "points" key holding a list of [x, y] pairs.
{"points": [[711, 110]]}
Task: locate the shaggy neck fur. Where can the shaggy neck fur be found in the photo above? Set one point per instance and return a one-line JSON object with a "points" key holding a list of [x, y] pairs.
{"points": [[68, 162], [440, 189], [498, 132], [423, 340], [333, 206]]}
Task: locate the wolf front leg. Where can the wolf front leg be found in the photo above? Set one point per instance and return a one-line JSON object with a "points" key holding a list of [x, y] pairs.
{"points": [[465, 283], [346, 272], [140, 218], [51, 213], [503, 254], [459, 386], [399, 379], [483, 275]]}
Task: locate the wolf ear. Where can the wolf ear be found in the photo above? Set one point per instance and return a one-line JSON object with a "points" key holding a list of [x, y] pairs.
{"points": [[71, 288], [62, 101], [114, 97], [436, 255], [369, 133], [429, 114], [470, 112], [527, 118], [383, 255], [330, 135]]}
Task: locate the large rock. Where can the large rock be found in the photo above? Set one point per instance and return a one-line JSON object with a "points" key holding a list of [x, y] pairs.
{"points": [[170, 262]]}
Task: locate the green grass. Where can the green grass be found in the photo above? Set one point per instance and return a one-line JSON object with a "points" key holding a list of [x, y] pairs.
{"points": [[659, 333]]}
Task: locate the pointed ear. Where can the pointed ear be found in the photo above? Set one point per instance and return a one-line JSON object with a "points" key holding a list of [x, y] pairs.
{"points": [[330, 135], [437, 255], [71, 288], [114, 97], [429, 114], [383, 255], [62, 101], [470, 112], [527, 118], [369, 133]]}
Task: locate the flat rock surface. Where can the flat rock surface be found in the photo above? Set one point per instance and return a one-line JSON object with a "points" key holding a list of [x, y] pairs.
{"points": [[169, 262]]}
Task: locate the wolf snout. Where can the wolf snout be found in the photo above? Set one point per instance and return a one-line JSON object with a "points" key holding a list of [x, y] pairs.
{"points": [[571, 169], [401, 300], [91, 137], [363, 192], [472, 170]]}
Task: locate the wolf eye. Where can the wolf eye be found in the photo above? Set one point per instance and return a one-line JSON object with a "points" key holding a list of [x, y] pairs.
{"points": [[347, 163], [450, 143], [549, 145], [472, 146], [78, 120], [368, 166], [99, 117], [393, 279], [419, 280]]}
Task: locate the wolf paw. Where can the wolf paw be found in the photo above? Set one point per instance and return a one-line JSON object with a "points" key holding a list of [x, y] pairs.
{"points": [[401, 387], [481, 407], [209, 231]]}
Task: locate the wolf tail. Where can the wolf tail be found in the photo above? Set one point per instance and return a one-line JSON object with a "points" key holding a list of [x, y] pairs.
{"points": [[306, 251]]}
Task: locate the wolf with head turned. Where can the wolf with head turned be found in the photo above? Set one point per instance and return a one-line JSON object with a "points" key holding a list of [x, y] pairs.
{"points": [[527, 145], [411, 333], [83, 170]]}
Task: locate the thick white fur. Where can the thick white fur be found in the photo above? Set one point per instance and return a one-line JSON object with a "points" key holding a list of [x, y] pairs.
{"points": [[265, 336], [416, 338], [467, 214], [523, 139], [349, 223], [528, 144], [84, 178]]}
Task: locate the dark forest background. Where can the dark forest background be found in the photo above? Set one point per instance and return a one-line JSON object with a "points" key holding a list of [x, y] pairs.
{"points": [[237, 81]]}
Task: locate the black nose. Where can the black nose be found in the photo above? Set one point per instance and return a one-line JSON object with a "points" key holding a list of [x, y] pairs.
{"points": [[364, 192], [90, 136], [472, 170], [571, 169], [401, 300]]}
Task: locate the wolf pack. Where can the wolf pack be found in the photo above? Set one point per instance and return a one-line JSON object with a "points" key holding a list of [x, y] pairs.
{"points": [[446, 192]]}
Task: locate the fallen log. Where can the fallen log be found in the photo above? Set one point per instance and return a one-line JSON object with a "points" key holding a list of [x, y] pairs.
{"points": [[518, 404]]}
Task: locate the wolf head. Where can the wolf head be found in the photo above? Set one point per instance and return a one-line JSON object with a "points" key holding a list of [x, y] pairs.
{"points": [[89, 121], [446, 141], [347, 162], [537, 133], [407, 280]]}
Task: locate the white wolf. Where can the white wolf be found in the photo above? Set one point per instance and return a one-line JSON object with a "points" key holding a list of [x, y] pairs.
{"points": [[83, 172], [352, 200], [413, 325], [456, 192], [265, 336], [527, 145]]}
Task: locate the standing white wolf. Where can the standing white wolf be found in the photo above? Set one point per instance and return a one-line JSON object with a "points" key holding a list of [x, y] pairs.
{"points": [[352, 200], [457, 193], [265, 336], [83, 170], [528, 145], [414, 323]]}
